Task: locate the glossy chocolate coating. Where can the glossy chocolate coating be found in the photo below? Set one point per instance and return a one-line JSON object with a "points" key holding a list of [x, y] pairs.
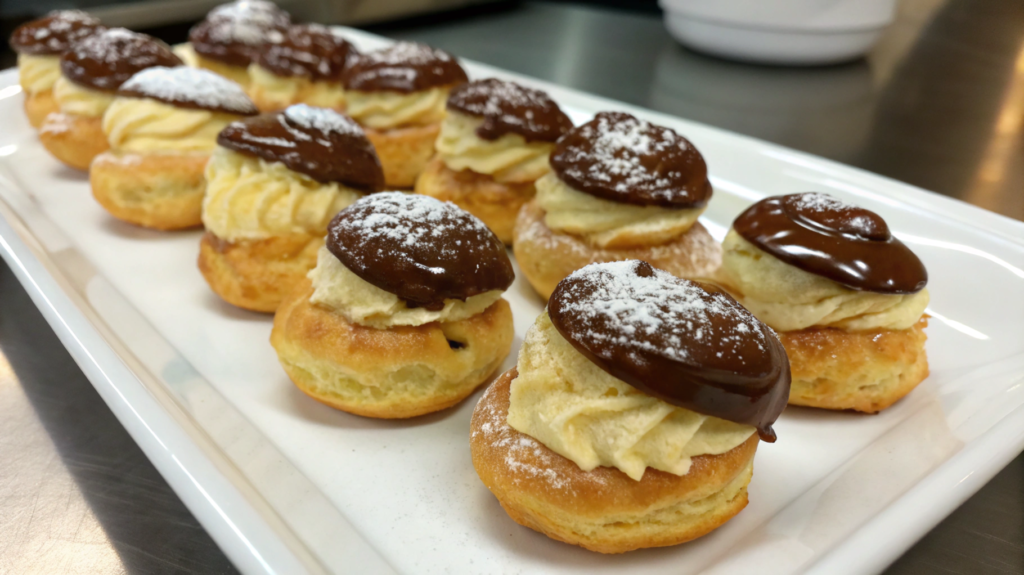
{"points": [[620, 158], [687, 344], [105, 60], [54, 33], [849, 245], [403, 67], [236, 33], [420, 249], [321, 143], [508, 108], [308, 50]]}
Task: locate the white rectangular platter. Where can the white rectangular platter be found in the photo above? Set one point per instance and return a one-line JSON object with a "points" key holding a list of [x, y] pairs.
{"points": [[286, 485]]}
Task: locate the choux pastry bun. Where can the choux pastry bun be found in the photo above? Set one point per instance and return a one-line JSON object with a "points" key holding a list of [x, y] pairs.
{"points": [[304, 68], [233, 34]]}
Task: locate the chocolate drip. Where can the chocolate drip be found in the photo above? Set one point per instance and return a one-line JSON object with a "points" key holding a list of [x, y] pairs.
{"points": [[508, 108], [403, 67], [54, 33], [321, 143], [420, 249], [107, 59], [308, 50], [617, 157], [687, 344], [849, 245], [236, 33]]}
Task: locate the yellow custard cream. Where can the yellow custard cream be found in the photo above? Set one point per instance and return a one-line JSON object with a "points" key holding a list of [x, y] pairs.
{"points": [[510, 158], [387, 110], [37, 73], [248, 198], [145, 125], [278, 92], [583, 413], [337, 288], [608, 224], [789, 299], [80, 101]]}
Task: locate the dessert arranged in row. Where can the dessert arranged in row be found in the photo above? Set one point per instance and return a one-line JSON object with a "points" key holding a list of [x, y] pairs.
{"points": [[662, 357]]}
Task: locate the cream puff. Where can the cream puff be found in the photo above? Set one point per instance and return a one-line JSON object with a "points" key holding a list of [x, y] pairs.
{"points": [[635, 410], [232, 35], [398, 95], [620, 188], [162, 128], [304, 68], [90, 74], [494, 144], [847, 298], [272, 185], [39, 44], [403, 314]]}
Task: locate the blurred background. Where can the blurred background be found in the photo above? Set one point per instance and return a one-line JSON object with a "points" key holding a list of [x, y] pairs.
{"points": [[937, 102]]}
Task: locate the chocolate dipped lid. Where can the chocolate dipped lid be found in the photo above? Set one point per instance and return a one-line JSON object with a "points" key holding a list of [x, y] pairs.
{"points": [[508, 108], [420, 249], [403, 67], [308, 50], [822, 235], [621, 158], [189, 88], [107, 59], [680, 341], [236, 33], [319, 142], [54, 33]]}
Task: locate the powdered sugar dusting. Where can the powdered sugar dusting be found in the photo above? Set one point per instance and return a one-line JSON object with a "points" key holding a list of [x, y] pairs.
{"points": [[511, 107], [403, 66], [322, 119], [56, 32], [249, 22], [200, 87], [641, 310]]}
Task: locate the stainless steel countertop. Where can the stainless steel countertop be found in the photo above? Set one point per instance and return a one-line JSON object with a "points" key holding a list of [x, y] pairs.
{"points": [[939, 103]]}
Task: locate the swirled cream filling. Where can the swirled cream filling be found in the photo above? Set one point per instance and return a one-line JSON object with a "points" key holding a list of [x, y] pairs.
{"points": [[80, 101], [146, 125], [279, 92], [584, 414], [510, 158], [387, 110], [608, 224], [339, 289], [37, 73], [789, 299], [249, 198]]}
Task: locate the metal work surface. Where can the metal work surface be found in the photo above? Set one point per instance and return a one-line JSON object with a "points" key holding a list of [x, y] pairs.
{"points": [[939, 103]]}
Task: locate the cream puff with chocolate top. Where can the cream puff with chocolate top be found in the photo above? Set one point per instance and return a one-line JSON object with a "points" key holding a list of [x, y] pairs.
{"points": [[273, 183], [398, 95], [847, 298], [91, 72], [232, 35], [403, 314], [494, 144], [303, 68], [620, 188], [162, 128], [635, 410], [39, 44]]}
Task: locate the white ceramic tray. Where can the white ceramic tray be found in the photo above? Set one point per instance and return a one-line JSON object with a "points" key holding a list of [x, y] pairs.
{"points": [[286, 485]]}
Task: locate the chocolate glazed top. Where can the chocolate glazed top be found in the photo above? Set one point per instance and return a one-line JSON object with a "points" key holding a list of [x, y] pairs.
{"points": [[54, 33], [321, 143], [403, 67], [236, 33], [420, 249], [824, 236], [687, 344], [107, 59], [192, 88], [508, 108], [623, 159], [309, 50]]}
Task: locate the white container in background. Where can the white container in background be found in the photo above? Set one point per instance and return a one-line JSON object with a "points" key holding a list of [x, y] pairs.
{"points": [[793, 32]]}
